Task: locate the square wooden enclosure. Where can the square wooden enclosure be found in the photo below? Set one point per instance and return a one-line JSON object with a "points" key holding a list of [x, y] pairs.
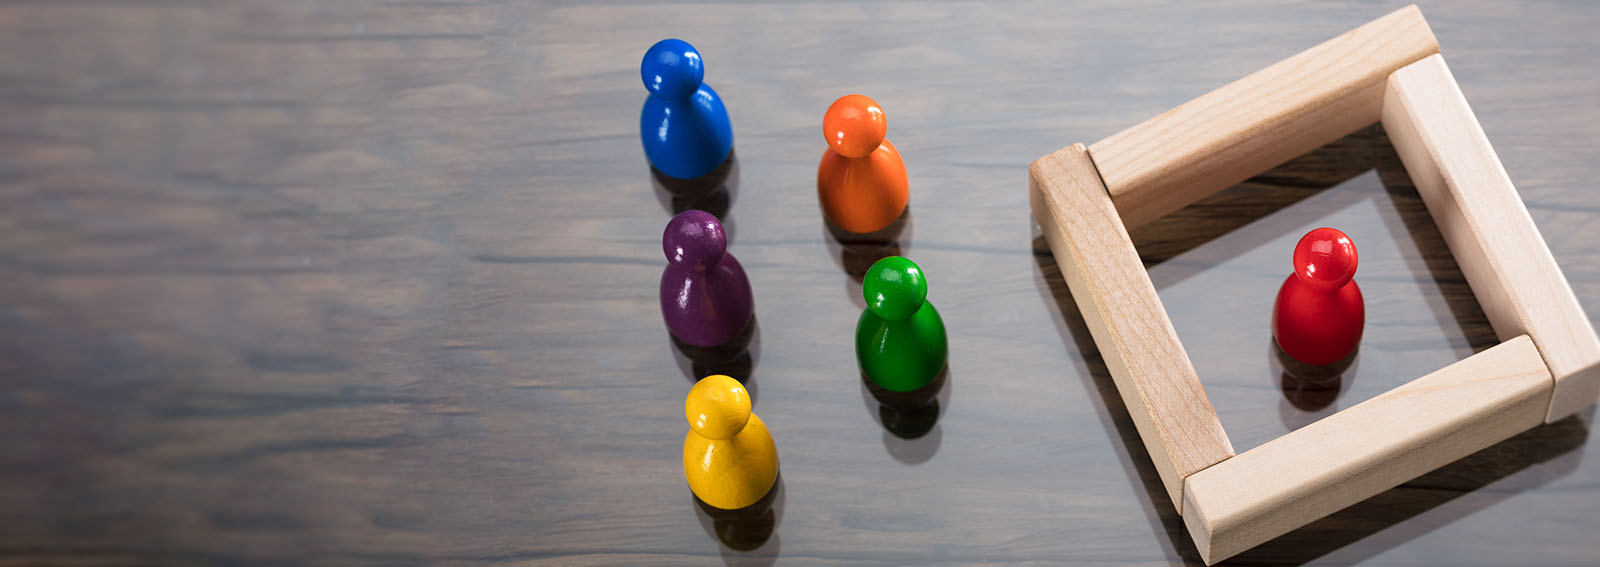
{"points": [[1087, 198]]}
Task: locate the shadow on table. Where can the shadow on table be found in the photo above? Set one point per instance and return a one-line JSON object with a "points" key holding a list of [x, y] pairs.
{"points": [[856, 253], [1309, 392], [713, 193], [1119, 424], [1523, 462], [748, 536], [910, 420], [737, 358]]}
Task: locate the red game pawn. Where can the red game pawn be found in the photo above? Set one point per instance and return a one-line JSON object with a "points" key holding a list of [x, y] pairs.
{"points": [[1319, 313]]}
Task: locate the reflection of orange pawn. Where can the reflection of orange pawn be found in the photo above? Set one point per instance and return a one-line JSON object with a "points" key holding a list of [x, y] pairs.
{"points": [[861, 180]]}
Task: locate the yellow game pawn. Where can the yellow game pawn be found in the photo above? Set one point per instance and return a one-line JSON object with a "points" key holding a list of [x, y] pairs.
{"points": [[728, 456]]}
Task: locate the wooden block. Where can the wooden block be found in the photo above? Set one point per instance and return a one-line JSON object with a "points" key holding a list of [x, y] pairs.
{"points": [[1253, 124], [1366, 449], [1112, 289], [1487, 227]]}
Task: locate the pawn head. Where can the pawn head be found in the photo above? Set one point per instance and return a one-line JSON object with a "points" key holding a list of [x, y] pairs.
{"points": [[894, 288], [1325, 258], [672, 68], [854, 126], [718, 407], [694, 240]]}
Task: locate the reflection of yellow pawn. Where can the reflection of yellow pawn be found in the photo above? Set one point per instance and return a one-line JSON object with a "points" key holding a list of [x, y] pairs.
{"points": [[728, 456]]}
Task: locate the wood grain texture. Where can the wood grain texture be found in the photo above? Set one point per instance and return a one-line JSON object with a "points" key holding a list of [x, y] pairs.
{"points": [[1364, 450], [1119, 303], [1495, 241], [373, 283], [1250, 125]]}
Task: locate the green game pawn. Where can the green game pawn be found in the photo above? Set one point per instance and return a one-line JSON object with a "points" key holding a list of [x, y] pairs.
{"points": [[900, 340]]}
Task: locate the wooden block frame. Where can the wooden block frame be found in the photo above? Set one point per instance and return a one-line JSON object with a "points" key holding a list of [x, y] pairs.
{"points": [[1086, 199]]}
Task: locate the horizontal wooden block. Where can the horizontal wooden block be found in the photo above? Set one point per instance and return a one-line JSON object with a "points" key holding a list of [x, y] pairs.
{"points": [[1119, 303], [1364, 450], [1488, 229], [1255, 123]]}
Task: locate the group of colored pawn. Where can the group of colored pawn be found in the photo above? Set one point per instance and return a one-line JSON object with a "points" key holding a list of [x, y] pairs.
{"points": [[729, 457]]}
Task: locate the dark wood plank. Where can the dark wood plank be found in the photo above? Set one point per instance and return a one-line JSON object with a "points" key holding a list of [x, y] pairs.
{"points": [[374, 282]]}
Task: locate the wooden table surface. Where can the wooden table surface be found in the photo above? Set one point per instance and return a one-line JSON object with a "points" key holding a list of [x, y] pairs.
{"points": [[374, 282]]}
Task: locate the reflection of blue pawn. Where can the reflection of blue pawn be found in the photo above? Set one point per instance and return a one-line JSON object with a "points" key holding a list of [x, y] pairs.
{"points": [[684, 127]]}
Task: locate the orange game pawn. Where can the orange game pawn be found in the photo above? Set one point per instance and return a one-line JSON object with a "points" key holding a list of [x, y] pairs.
{"points": [[861, 181]]}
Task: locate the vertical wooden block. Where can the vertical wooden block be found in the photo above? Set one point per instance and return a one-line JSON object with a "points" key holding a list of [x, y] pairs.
{"points": [[1257, 122], [1366, 449], [1488, 229], [1109, 283]]}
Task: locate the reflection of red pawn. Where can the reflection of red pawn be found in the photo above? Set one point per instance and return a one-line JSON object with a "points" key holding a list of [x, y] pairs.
{"points": [[1319, 313]]}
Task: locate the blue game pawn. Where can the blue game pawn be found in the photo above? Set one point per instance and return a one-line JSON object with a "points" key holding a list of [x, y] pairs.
{"points": [[684, 126]]}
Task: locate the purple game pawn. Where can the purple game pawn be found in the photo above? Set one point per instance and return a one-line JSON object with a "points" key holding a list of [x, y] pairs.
{"points": [[705, 295]]}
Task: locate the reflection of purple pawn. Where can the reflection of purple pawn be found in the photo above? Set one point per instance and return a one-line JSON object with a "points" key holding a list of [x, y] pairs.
{"points": [[705, 295]]}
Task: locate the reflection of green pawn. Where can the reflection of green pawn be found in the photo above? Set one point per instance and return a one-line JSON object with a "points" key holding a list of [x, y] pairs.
{"points": [[900, 340]]}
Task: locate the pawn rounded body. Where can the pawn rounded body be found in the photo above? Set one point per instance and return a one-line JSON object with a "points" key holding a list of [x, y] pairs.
{"points": [[729, 458], [861, 180], [901, 343], [684, 125], [705, 294], [1319, 313]]}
